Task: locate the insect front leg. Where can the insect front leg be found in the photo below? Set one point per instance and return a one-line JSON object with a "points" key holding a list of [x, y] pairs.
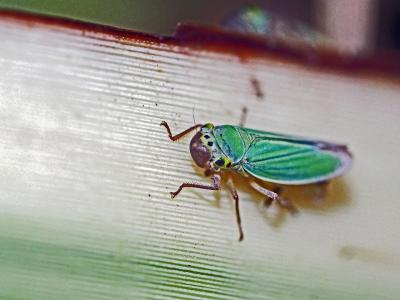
{"points": [[179, 135], [235, 197], [215, 186], [208, 172]]}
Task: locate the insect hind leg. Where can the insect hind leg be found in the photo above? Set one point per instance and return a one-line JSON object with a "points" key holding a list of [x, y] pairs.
{"points": [[284, 202], [274, 196]]}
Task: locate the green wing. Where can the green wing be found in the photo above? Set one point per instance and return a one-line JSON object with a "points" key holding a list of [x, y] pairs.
{"points": [[293, 160]]}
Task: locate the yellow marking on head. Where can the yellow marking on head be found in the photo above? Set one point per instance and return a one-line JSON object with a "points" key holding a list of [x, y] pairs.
{"points": [[223, 162], [227, 162]]}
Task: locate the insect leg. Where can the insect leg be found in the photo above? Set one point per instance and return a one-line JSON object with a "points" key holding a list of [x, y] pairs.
{"points": [[179, 135], [268, 201], [243, 117], [207, 172], [283, 202], [274, 196], [235, 196], [270, 194], [216, 185]]}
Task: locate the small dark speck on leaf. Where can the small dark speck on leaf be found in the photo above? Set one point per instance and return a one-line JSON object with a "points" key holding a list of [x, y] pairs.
{"points": [[156, 104], [149, 195]]}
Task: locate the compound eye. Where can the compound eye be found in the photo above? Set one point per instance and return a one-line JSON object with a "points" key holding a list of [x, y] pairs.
{"points": [[200, 153]]}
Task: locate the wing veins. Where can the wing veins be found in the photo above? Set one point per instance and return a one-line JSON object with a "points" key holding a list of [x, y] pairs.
{"points": [[277, 157]]}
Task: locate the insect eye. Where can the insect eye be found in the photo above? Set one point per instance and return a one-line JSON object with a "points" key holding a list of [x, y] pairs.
{"points": [[210, 144], [206, 136], [229, 165]]}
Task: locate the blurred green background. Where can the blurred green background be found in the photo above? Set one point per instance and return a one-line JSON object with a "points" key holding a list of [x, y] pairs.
{"points": [[161, 16], [155, 16]]}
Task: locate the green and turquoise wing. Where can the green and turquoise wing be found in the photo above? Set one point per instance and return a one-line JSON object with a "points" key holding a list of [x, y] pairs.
{"points": [[293, 160]]}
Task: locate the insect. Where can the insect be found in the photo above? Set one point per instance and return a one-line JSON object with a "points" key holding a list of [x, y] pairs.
{"points": [[267, 156]]}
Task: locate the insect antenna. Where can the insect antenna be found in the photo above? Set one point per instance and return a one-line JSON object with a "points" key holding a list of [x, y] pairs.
{"points": [[194, 119]]}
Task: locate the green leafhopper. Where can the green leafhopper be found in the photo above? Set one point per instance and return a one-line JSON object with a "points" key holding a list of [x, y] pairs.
{"points": [[270, 157]]}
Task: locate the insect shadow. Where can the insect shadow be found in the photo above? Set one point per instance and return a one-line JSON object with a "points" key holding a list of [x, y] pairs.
{"points": [[317, 198]]}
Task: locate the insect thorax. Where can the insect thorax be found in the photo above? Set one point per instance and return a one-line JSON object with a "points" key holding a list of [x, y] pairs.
{"points": [[218, 159]]}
